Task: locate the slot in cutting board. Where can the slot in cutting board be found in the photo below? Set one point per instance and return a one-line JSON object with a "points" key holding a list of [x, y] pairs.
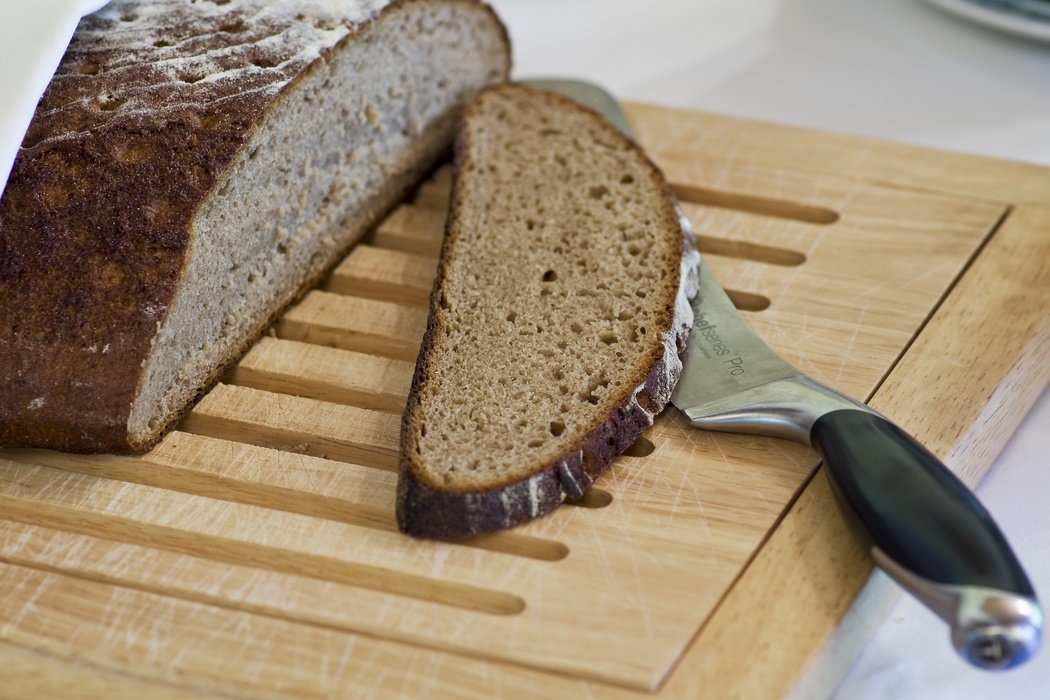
{"points": [[254, 553]]}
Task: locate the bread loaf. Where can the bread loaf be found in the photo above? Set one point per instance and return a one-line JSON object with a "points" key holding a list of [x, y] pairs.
{"points": [[556, 321], [192, 167]]}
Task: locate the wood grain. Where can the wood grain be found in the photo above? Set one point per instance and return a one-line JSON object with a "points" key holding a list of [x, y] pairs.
{"points": [[325, 374], [797, 149], [361, 325], [253, 553], [384, 274]]}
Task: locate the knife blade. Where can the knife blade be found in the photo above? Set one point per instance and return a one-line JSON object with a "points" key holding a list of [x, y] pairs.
{"points": [[922, 524], [33, 36]]}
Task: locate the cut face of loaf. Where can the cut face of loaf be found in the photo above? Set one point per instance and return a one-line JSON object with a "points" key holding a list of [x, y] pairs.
{"points": [[556, 320], [195, 165]]}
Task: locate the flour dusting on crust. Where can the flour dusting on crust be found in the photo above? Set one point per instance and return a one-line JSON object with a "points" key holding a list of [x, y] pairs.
{"points": [[169, 55]]}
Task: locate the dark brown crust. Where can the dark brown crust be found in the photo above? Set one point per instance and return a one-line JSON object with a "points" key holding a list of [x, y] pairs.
{"points": [[102, 186], [424, 510]]}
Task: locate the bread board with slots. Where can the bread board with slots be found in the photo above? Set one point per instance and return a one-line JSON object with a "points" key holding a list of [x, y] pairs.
{"points": [[254, 553]]}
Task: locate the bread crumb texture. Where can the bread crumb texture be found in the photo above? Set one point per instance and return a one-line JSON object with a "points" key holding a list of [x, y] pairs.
{"points": [[553, 335], [195, 164]]}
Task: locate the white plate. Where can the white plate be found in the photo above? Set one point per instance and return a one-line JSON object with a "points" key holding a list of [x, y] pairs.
{"points": [[1028, 18]]}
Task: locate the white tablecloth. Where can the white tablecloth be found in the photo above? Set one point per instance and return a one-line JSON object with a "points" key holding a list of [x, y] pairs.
{"points": [[893, 69]]}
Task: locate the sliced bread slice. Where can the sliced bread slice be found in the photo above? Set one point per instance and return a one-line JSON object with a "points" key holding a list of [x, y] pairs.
{"points": [[556, 320]]}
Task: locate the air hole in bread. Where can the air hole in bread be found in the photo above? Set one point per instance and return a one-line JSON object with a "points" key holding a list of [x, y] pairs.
{"points": [[598, 191], [557, 427], [600, 382]]}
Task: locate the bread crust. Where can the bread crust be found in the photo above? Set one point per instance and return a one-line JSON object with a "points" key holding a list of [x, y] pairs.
{"points": [[425, 509], [96, 221]]}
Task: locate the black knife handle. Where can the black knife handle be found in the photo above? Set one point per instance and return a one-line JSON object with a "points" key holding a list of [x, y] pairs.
{"points": [[920, 516]]}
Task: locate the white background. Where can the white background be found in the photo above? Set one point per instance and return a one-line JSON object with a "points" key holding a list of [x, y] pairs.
{"points": [[892, 69]]}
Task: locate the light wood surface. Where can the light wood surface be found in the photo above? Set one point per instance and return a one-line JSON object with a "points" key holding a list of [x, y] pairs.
{"points": [[253, 553]]}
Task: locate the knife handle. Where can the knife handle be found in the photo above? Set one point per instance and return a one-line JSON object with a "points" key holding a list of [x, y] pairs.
{"points": [[930, 533]]}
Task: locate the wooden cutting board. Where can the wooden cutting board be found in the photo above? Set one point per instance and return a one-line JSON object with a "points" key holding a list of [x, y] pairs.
{"points": [[253, 553]]}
